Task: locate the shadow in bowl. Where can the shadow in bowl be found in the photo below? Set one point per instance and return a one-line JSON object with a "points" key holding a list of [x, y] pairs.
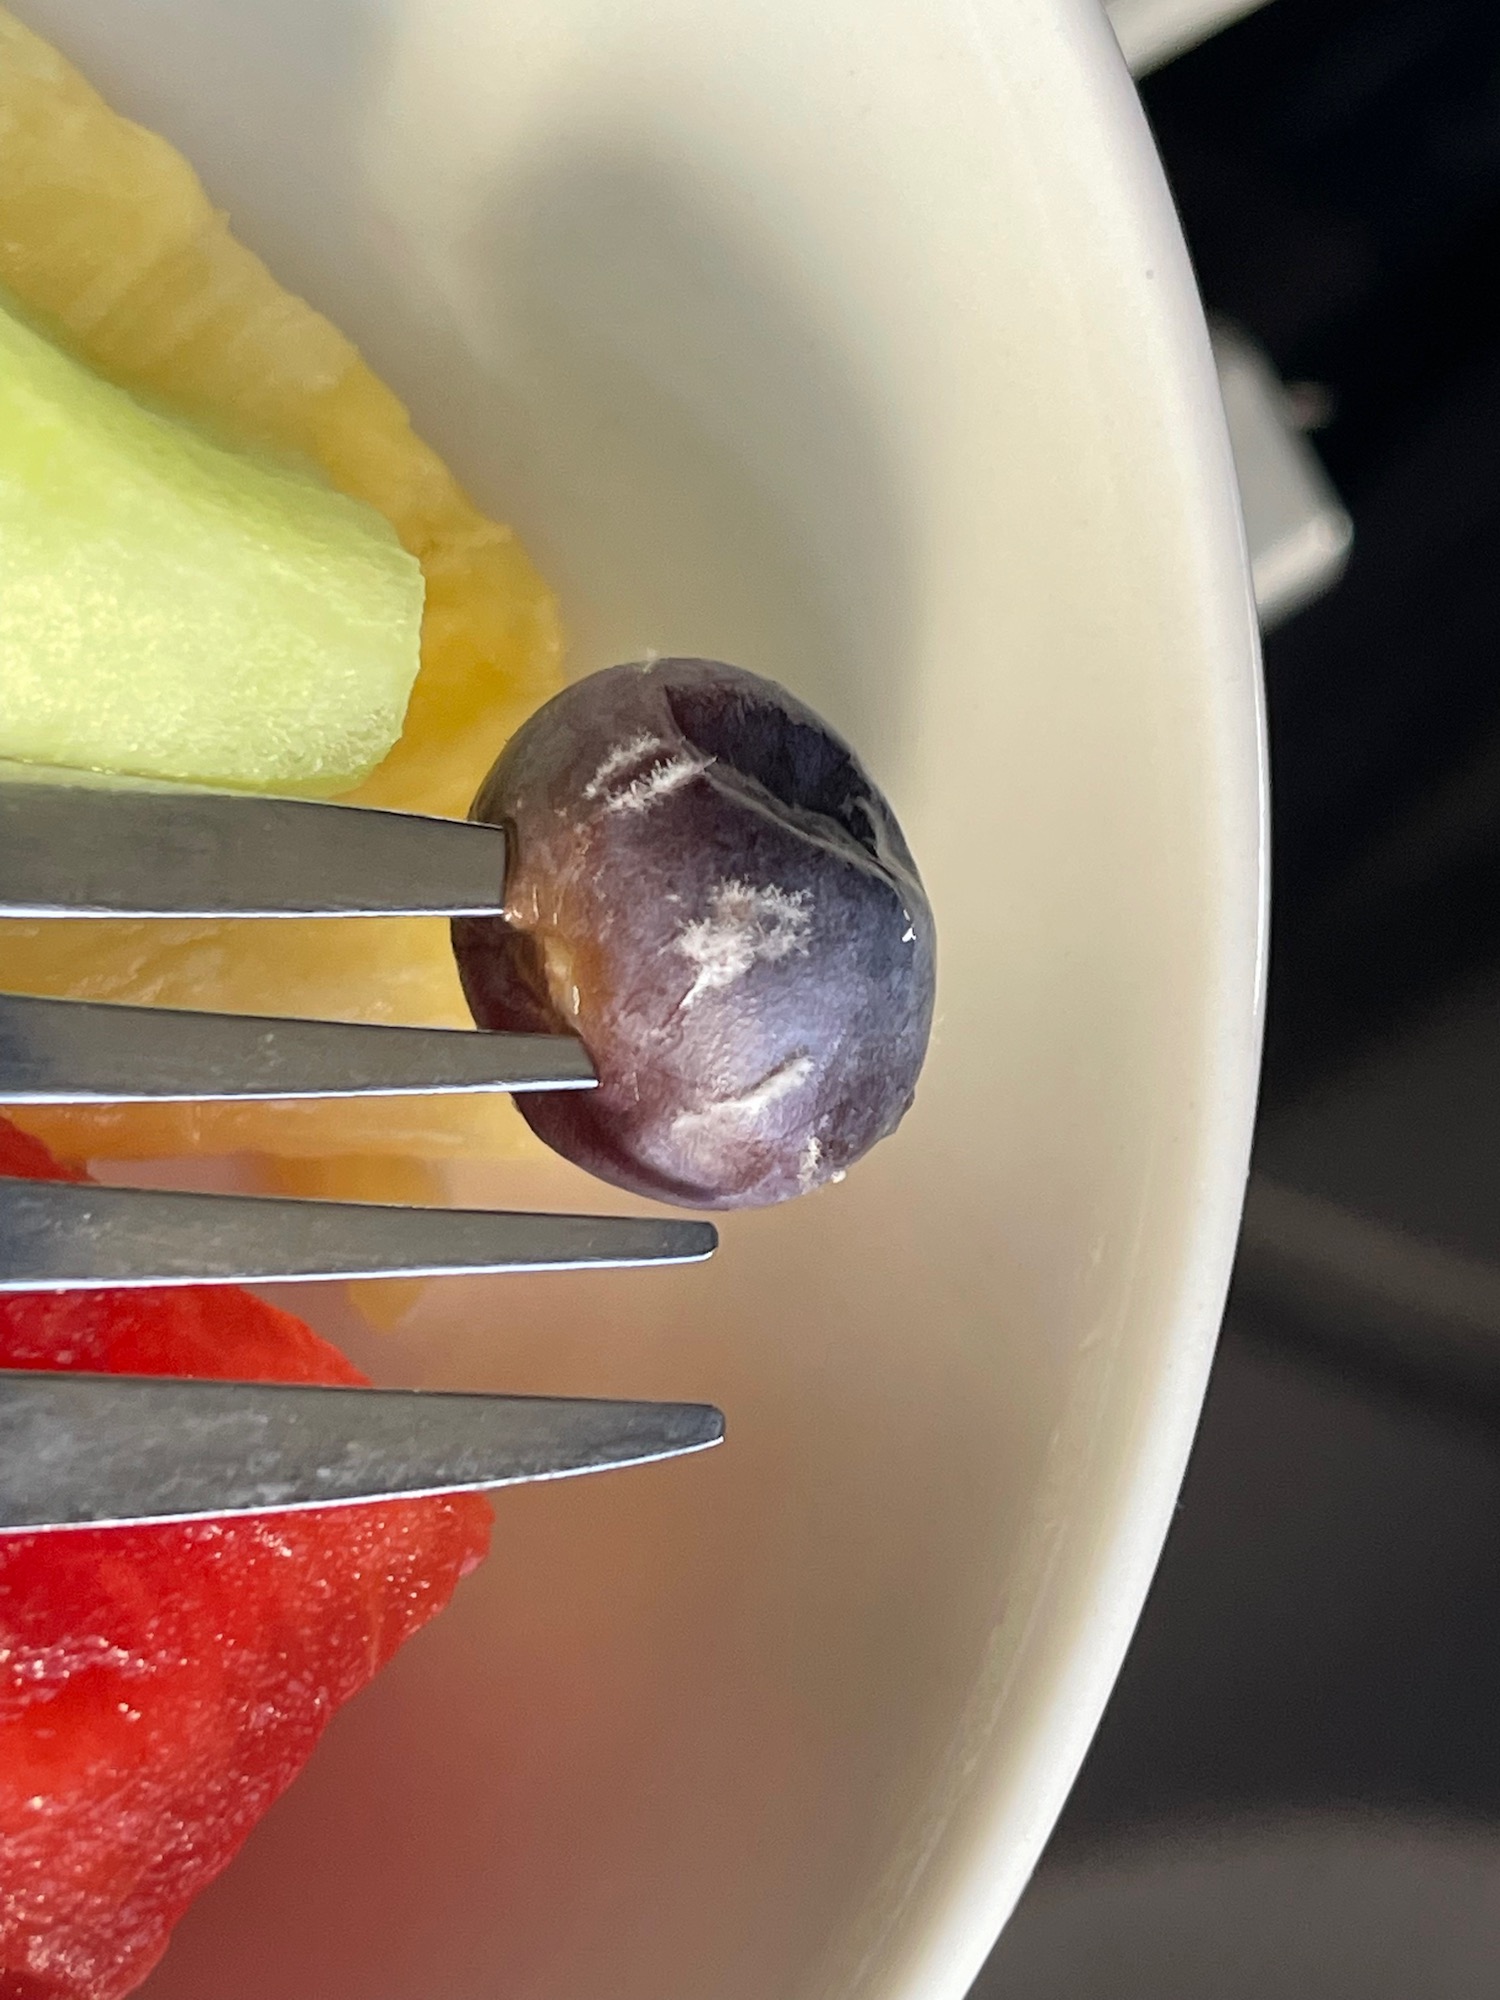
{"points": [[703, 431]]}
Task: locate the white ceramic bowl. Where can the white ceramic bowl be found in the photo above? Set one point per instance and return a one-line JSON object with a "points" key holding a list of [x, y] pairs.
{"points": [[852, 340]]}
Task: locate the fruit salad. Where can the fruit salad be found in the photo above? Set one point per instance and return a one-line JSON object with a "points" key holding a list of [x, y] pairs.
{"points": [[190, 452], [225, 558], [110, 245]]}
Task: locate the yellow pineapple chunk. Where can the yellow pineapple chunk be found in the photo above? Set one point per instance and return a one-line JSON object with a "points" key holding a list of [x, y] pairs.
{"points": [[108, 238]]}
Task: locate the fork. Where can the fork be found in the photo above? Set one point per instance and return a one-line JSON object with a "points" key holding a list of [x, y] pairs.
{"points": [[102, 1450]]}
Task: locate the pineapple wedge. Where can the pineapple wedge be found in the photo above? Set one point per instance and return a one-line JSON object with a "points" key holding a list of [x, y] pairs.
{"points": [[109, 242]]}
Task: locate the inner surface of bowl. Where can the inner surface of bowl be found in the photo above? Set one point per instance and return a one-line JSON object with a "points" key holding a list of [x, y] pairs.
{"points": [[854, 343]]}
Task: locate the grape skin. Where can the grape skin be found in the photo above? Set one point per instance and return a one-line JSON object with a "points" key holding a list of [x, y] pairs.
{"points": [[708, 888]]}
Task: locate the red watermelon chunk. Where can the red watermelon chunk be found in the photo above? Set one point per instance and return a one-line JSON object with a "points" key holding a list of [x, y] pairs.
{"points": [[160, 1687]]}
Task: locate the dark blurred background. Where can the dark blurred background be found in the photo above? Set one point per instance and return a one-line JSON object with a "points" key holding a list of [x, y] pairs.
{"points": [[1296, 1789]]}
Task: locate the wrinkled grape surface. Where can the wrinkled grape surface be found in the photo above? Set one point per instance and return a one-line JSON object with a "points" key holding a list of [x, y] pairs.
{"points": [[707, 887]]}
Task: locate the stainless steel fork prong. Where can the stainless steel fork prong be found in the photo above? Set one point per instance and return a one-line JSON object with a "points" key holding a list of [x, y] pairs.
{"points": [[89, 850], [93, 1052], [118, 1450], [71, 849], [77, 1236]]}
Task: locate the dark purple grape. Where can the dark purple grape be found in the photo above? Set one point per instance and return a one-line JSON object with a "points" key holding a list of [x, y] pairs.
{"points": [[706, 886]]}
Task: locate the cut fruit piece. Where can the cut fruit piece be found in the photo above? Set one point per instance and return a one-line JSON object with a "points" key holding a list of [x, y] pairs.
{"points": [[108, 239], [107, 236], [160, 1687], [710, 891], [174, 608]]}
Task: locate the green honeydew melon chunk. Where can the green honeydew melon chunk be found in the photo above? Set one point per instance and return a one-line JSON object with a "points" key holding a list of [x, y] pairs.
{"points": [[173, 608]]}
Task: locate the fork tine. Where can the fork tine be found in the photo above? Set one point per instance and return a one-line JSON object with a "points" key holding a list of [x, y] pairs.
{"points": [[67, 1236], [114, 1450], [81, 850], [88, 1052]]}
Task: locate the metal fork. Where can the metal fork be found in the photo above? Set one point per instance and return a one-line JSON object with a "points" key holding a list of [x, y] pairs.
{"points": [[77, 1448]]}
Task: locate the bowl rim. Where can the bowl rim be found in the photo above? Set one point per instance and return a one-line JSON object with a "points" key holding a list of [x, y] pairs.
{"points": [[937, 1941], [1115, 145]]}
